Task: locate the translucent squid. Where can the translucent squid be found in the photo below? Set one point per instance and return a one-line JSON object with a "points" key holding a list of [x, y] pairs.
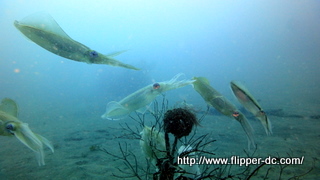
{"points": [[142, 98], [152, 144], [248, 101], [221, 104], [43, 30], [191, 171], [10, 125]]}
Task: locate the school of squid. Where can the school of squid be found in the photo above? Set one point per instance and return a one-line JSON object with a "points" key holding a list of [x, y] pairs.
{"points": [[44, 31]]}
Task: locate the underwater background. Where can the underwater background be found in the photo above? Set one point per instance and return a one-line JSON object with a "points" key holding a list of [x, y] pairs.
{"points": [[271, 46]]}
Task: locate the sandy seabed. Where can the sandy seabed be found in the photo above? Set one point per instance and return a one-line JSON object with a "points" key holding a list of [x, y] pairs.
{"points": [[74, 157]]}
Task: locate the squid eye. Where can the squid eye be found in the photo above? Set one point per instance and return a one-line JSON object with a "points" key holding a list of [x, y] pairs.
{"points": [[156, 86], [10, 128], [235, 114], [93, 54]]}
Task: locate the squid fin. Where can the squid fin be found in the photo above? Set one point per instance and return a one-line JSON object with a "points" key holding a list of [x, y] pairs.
{"points": [[9, 106], [116, 53], [115, 111], [203, 79], [47, 24]]}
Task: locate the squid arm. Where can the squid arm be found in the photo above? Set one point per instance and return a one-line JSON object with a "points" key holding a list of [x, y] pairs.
{"points": [[32, 140], [251, 104], [142, 98], [223, 105], [10, 125], [43, 30]]}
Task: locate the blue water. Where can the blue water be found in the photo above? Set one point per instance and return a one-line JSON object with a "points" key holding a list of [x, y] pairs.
{"points": [[271, 46]]}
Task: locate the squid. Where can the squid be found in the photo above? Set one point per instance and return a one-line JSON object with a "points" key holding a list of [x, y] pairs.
{"points": [[139, 100], [248, 101], [213, 98], [10, 125], [43, 30], [192, 171], [152, 144]]}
